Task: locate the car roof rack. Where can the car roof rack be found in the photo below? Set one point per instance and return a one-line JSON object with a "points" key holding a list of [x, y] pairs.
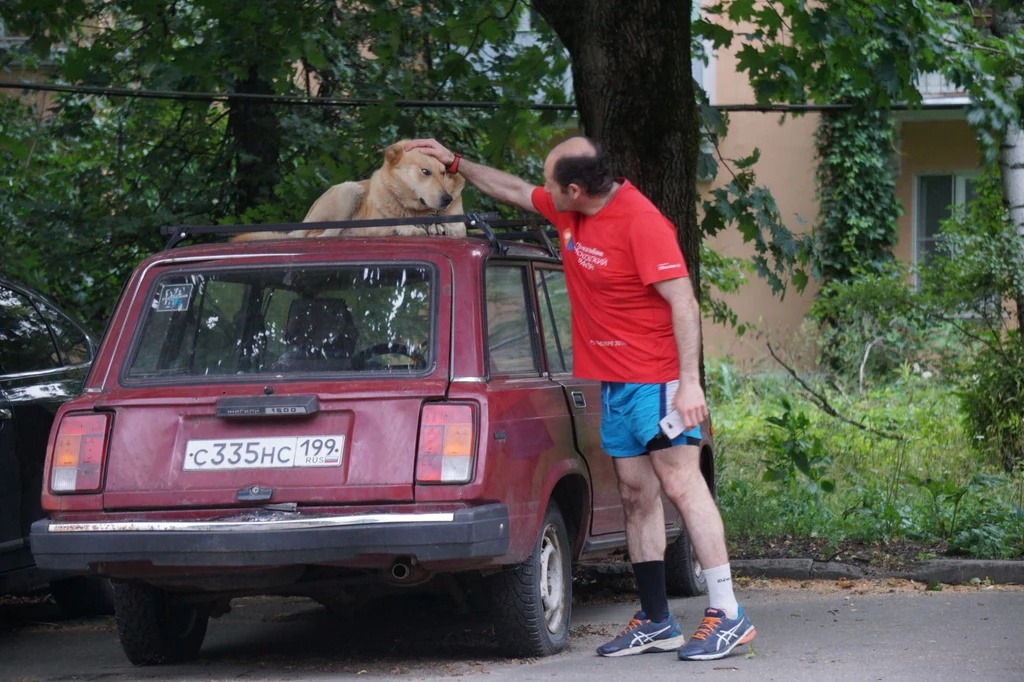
{"points": [[538, 232], [484, 222]]}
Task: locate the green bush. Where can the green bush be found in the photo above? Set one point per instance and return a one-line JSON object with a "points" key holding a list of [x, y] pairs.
{"points": [[788, 469], [976, 282], [992, 400], [873, 324]]}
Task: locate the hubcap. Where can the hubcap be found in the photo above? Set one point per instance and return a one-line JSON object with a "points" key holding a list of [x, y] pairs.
{"points": [[552, 579]]}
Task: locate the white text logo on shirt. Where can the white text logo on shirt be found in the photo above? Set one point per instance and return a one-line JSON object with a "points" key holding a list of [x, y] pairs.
{"points": [[590, 258]]}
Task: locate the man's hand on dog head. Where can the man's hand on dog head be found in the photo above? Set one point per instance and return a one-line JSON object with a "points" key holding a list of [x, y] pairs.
{"points": [[433, 148]]}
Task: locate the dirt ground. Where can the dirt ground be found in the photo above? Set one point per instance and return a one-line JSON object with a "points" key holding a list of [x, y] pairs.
{"points": [[895, 555]]}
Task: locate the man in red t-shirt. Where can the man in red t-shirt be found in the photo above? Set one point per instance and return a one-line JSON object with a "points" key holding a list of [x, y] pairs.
{"points": [[635, 328]]}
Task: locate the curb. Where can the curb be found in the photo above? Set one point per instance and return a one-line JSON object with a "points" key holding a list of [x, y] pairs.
{"points": [[949, 571]]}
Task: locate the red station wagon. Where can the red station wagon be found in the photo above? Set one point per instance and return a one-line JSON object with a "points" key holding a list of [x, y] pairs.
{"points": [[337, 418]]}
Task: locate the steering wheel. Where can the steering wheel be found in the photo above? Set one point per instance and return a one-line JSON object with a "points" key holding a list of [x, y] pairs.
{"points": [[361, 359]]}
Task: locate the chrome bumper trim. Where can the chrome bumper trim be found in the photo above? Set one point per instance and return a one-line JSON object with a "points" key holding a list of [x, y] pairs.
{"points": [[248, 525]]}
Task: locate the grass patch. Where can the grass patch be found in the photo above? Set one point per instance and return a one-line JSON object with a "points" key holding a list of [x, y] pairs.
{"points": [[787, 469]]}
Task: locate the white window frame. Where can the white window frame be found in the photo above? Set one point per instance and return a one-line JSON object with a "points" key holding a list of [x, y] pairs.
{"points": [[704, 75], [960, 178]]}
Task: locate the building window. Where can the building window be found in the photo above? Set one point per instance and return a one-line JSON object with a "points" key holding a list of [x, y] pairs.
{"points": [[703, 75], [937, 196]]}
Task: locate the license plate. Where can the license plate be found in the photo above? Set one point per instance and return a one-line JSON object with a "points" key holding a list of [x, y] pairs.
{"points": [[264, 453]]}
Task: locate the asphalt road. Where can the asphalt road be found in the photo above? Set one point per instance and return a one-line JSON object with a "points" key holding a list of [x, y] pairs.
{"points": [[881, 630]]}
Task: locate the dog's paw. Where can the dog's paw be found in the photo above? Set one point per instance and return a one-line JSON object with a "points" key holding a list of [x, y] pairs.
{"points": [[437, 229], [409, 231]]}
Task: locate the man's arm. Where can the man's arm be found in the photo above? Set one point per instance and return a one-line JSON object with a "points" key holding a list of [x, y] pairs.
{"points": [[690, 400], [494, 183]]}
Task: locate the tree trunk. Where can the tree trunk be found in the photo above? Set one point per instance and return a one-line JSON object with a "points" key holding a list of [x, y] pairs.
{"points": [[634, 91], [254, 128], [1005, 23]]}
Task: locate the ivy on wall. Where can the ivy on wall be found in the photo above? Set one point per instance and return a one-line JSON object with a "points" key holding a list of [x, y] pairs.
{"points": [[858, 209]]}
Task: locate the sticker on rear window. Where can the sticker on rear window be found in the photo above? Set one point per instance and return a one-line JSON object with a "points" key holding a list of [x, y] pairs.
{"points": [[174, 297]]}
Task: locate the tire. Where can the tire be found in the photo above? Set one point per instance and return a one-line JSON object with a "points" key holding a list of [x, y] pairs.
{"points": [[532, 602], [684, 576], [83, 596], [154, 628]]}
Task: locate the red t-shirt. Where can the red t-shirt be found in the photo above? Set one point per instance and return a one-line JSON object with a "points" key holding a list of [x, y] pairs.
{"points": [[621, 325]]}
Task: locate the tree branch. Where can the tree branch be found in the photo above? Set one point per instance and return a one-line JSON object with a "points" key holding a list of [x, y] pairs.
{"points": [[821, 402], [864, 362], [718, 152]]}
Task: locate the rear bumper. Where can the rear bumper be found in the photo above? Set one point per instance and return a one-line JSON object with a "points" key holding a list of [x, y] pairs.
{"points": [[273, 539]]}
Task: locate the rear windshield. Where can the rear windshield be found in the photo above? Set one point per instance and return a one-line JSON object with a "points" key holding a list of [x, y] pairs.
{"points": [[290, 320]]}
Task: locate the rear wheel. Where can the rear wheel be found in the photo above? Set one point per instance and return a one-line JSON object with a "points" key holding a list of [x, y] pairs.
{"points": [[155, 628], [532, 601], [684, 576]]}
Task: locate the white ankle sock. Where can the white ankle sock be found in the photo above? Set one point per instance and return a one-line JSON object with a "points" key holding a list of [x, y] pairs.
{"points": [[720, 593]]}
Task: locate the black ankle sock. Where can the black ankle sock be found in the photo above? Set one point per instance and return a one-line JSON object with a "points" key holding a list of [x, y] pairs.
{"points": [[650, 581]]}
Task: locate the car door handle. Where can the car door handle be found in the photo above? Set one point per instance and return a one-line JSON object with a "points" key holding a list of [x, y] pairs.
{"points": [[5, 413], [577, 399]]}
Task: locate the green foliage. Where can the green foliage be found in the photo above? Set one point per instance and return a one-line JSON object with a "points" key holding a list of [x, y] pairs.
{"points": [[799, 51], [87, 189], [976, 282], [721, 275], [992, 400], [929, 487], [779, 255], [791, 450], [751, 208], [104, 174], [856, 189], [873, 325]]}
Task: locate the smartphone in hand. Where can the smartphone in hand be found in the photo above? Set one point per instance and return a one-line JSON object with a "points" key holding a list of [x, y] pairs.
{"points": [[672, 424]]}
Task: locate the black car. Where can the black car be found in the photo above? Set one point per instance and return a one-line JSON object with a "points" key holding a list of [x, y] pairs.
{"points": [[44, 360]]}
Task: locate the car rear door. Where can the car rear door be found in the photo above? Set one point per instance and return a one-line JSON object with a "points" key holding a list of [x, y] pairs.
{"points": [[582, 395], [300, 383]]}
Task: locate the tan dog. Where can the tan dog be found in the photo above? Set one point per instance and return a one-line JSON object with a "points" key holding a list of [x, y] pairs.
{"points": [[408, 185]]}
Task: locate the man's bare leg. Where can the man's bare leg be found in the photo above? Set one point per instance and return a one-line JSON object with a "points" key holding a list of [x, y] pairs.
{"points": [[656, 629], [678, 470], [645, 532], [641, 501]]}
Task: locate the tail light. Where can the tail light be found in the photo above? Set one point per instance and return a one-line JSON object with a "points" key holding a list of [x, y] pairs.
{"points": [[78, 453], [447, 443]]}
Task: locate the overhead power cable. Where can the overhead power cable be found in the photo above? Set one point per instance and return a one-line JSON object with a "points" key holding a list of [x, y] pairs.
{"points": [[301, 100]]}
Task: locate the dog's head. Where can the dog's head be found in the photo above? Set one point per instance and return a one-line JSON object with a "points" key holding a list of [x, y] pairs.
{"points": [[420, 182]]}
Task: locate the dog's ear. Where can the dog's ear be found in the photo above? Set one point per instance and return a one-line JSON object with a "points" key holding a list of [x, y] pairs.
{"points": [[458, 182], [394, 153]]}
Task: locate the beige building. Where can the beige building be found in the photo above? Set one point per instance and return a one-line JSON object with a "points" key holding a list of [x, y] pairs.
{"points": [[17, 72], [936, 158]]}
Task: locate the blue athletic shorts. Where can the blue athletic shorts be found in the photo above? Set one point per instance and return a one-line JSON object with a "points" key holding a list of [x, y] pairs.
{"points": [[629, 418]]}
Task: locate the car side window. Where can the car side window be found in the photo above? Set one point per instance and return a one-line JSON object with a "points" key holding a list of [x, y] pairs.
{"points": [[510, 338], [25, 341], [71, 340], [555, 318]]}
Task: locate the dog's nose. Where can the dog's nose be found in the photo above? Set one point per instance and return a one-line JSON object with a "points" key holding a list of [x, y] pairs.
{"points": [[445, 200]]}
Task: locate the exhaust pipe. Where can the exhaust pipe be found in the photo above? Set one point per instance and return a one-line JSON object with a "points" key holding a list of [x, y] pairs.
{"points": [[401, 570], [406, 573]]}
